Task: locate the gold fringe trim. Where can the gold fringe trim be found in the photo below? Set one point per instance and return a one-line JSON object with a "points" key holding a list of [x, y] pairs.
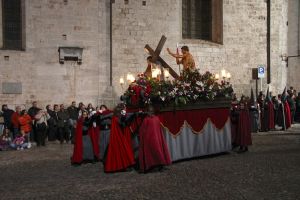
{"points": [[194, 131]]}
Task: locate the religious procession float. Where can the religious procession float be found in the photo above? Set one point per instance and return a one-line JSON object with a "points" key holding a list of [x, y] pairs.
{"points": [[194, 110]]}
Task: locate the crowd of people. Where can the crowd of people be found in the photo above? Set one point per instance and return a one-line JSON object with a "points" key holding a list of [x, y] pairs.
{"points": [[98, 134], [54, 123], [266, 113]]}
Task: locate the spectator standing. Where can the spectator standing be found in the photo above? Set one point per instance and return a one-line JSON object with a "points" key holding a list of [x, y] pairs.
{"points": [[51, 130], [63, 127], [25, 122], [15, 122], [73, 114], [7, 113], [41, 127], [32, 111]]}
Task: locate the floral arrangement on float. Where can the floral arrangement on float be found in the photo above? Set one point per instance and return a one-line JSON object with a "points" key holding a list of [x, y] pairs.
{"points": [[190, 88]]}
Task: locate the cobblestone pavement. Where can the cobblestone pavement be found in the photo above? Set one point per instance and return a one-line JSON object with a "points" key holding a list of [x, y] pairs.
{"points": [[270, 170]]}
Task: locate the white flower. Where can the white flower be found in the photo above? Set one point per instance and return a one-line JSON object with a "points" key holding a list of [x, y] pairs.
{"points": [[187, 84]]}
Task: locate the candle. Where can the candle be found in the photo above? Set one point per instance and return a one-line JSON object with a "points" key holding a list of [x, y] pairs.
{"points": [[122, 81], [154, 73], [228, 75], [158, 71], [128, 77], [223, 73], [166, 73], [132, 78], [217, 76]]}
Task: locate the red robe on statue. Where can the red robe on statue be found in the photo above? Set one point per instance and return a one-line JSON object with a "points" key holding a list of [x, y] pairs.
{"points": [[153, 150], [119, 152]]}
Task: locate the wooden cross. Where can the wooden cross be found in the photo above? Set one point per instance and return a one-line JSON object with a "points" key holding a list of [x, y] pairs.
{"points": [[156, 57]]}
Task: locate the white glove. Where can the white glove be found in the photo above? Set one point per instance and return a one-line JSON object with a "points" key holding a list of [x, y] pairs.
{"points": [[123, 112]]}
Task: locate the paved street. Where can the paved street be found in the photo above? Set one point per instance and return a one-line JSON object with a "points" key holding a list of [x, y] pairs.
{"points": [[270, 170]]}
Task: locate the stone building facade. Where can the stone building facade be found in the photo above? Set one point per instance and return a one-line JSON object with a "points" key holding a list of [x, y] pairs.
{"points": [[35, 73]]}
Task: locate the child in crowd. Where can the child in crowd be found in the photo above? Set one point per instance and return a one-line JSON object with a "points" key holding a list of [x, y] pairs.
{"points": [[19, 143], [5, 140]]}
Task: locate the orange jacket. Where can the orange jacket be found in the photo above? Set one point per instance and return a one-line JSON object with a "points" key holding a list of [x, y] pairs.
{"points": [[25, 123]]}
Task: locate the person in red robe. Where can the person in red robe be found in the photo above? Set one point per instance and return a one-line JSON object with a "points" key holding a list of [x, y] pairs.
{"points": [[120, 154], [153, 149], [243, 138], [270, 123], [287, 111], [86, 148]]}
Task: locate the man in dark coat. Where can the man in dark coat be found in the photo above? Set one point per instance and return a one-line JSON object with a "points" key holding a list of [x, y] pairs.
{"points": [[32, 111], [297, 113], [254, 114], [73, 114], [63, 124], [7, 113]]}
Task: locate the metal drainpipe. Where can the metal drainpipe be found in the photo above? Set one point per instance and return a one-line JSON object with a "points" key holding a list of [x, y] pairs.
{"points": [[110, 42], [298, 28], [269, 41]]}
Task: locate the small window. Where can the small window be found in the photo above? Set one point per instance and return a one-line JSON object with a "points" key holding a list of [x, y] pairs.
{"points": [[12, 24], [202, 20]]}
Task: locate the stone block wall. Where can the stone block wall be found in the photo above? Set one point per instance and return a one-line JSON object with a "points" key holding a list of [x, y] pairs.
{"points": [[244, 48], [293, 44], [50, 25], [86, 24]]}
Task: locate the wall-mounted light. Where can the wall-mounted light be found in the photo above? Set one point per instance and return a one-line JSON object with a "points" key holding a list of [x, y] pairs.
{"points": [[284, 57]]}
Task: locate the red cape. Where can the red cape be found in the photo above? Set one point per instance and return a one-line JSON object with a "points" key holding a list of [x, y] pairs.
{"points": [[271, 115], [287, 112], [94, 134], [77, 157], [153, 150], [78, 146], [119, 152], [243, 136]]}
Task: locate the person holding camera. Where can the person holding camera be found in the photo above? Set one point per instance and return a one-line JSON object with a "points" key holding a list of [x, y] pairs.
{"points": [[41, 119]]}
